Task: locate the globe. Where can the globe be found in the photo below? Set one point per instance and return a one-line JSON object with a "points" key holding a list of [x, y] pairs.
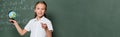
{"points": [[12, 14]]}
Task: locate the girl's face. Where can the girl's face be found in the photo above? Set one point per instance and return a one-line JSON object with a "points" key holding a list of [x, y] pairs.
{"points": [[40, 10]]}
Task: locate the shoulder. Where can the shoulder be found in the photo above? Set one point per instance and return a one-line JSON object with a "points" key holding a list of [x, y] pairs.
{"points": [[31, 20]]}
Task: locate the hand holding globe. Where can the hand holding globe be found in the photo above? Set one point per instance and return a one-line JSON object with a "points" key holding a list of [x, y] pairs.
{"points": [[12, 15]]}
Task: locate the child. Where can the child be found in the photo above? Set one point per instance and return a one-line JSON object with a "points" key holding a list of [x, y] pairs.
{"points": [[40, 26]]}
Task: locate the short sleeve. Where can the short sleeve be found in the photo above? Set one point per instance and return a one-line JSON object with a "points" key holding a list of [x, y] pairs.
{"points": [[27, 27], [49, 25]]}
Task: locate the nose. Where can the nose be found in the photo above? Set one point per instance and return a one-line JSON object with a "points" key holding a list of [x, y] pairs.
{"points": [[40, 10]]}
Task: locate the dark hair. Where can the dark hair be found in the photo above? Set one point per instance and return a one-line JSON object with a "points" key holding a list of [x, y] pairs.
{"points": [[42, 2]]}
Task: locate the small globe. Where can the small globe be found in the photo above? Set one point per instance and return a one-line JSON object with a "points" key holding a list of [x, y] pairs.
{"points": [[12, 14]]}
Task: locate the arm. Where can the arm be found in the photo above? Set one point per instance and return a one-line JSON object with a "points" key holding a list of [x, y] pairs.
{"points": [[48, 33], [21, 31]]}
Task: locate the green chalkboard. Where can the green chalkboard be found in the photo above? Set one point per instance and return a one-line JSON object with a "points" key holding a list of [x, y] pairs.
{"points": [[70, 18]]}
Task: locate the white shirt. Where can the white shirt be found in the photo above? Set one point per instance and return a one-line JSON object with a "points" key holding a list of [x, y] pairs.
{"points": [[35, 27]]}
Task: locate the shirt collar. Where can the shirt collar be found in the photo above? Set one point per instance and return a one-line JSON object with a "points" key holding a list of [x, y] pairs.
{"points": [[40, 19]]}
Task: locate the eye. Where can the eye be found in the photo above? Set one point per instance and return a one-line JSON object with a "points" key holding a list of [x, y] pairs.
{"points": [[42, 9], [38, 8]]}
